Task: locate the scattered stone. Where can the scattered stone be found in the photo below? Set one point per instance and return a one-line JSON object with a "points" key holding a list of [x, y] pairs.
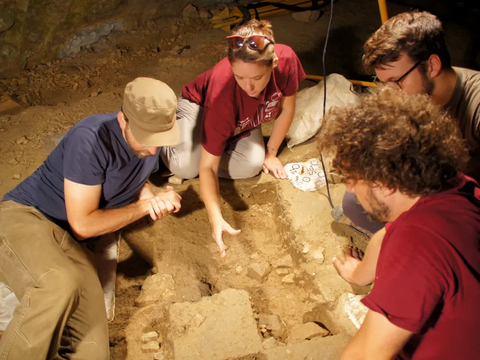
{"points": [[75, 86], [306, 331], [174, 29], [239, 269], [271, 322], [3, 129], [254, 256], [16, 177], [205, 14], [285, 261], [13, 162], [259, 270], [176, 50], [318, 255], [289, 279], [150, 336], [190, 11], [269, 343], [159, 356], [158, 287], [5, 119], [8, 104], [318, 298], [94, 94], [176, 180], [282, 271], [151, 346], [22, 140], [306, 248], [228, 315]]}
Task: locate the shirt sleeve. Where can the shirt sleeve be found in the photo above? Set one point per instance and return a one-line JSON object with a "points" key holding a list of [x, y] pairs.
{"points": [[294, 74], [220, 111], [409, 284], [84, 161]]}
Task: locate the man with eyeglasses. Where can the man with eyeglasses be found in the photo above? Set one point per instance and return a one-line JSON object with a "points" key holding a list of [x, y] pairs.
{"points": [[409, 53]]}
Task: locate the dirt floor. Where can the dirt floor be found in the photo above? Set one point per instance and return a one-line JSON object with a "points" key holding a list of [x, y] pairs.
{"points": [[290, 231]]}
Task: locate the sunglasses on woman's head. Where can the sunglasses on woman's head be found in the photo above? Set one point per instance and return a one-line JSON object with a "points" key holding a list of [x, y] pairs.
{"points": [[254, 42]]}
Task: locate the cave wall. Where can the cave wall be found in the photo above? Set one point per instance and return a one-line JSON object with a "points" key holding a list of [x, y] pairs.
{"points": [[35, 31]]}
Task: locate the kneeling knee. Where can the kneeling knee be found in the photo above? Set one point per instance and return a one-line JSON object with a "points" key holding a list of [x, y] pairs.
{"points": [[350, 205], [186, 172]]}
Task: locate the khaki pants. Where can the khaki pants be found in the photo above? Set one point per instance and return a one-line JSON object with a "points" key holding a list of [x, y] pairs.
{"points": [[241, 160], [61, 314]]}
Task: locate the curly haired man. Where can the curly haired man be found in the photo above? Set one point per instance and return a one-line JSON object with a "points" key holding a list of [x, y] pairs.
{"points": [[402, 157], [409, 53]]}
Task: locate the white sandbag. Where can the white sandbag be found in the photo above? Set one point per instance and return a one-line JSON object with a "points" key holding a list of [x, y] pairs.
{"points": [[309, 107]]}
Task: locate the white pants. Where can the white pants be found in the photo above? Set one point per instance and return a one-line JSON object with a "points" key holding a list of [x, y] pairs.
{"points": [[241, 160]]}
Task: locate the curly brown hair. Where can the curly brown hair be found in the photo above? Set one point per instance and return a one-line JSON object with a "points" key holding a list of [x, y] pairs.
{"points": [[417, 34], [400, 141], [266, 56]]}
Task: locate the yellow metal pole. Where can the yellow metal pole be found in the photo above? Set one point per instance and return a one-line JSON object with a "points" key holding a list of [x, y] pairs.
{"points": [[382, 6], [354, 82]]}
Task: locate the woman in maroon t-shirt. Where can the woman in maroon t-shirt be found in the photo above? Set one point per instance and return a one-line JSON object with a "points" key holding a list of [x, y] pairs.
{"points": [[220, 115]]}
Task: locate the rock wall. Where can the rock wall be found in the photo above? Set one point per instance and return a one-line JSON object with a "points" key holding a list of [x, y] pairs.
{"points": [[35, 31]]}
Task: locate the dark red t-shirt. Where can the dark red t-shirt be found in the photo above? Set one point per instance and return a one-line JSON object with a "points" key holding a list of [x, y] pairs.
{"points": [[427, 277], [229, 113]]}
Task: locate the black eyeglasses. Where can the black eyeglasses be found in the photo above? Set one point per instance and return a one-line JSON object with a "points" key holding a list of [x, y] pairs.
{"points": [[254, 42], [397, 83]]}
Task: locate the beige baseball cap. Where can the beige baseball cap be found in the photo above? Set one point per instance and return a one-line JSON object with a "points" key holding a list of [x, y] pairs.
{"points": [[150, 107]]}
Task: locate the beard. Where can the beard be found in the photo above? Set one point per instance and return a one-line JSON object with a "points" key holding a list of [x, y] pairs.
{"points": [[380, 211], [427, 85], [138, 153]]}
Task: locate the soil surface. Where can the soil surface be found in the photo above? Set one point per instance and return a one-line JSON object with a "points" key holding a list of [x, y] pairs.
{"points": [[278, 222]]}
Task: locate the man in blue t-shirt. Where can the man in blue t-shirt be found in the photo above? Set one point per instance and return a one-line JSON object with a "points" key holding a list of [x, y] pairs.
{"points": [[93, 183]]}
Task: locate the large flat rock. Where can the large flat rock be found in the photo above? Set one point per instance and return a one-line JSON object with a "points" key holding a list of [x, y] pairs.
{"points": [[218, 327]]}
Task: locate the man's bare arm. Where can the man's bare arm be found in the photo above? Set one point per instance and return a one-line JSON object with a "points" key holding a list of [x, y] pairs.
{"points": [[361, 272], [210, 191], [377, 339], [87, 220]]}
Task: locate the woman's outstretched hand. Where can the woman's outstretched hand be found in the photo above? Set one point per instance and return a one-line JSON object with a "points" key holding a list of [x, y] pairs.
{"points": [[218, 228]]}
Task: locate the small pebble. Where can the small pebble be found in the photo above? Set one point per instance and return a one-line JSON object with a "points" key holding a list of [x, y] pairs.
{"points": [[150, 336]]}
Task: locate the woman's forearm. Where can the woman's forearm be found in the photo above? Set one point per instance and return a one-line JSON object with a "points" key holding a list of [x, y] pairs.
{"points": [[209, 188], [282, 123]]}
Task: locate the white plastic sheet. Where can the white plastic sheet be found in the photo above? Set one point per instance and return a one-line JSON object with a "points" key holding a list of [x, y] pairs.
{"points": [[306, 176]]}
